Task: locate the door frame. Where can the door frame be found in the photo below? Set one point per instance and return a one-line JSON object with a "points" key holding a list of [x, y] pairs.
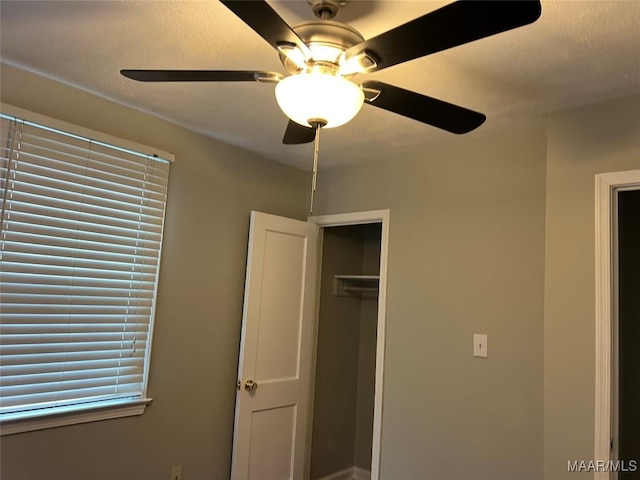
{"points": [[359, 218], [606, 187]]}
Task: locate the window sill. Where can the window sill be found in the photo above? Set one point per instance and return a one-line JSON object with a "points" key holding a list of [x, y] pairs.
{"points": [[81, 414]]}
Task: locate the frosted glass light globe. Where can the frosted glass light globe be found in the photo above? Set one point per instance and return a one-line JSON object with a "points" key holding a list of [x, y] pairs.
{"points": [[317, 96]]}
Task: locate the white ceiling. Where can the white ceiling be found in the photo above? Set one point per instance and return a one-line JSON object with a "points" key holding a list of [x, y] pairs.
{"points": [[578, 52]]}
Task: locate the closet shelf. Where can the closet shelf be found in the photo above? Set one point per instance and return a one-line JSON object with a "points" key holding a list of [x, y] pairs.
{"points": [[356, 285]]}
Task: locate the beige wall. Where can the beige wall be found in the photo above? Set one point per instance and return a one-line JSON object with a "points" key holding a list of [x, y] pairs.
{"points": [[581, 143], [466, 255], [212, 189]]}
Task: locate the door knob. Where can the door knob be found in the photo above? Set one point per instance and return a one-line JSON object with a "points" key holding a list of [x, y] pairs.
{"points": [[250, 386]]}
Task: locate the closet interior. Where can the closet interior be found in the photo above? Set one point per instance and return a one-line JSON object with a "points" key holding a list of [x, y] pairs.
{"points": [[346, 350]]}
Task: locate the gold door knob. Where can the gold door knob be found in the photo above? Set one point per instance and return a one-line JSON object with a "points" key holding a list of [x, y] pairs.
{"points": [[250, 386]]}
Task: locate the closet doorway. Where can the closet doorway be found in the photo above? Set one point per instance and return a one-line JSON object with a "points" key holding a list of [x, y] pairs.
{"points": [[626, 356], [349, 354], [279, 340], [617, 424]]}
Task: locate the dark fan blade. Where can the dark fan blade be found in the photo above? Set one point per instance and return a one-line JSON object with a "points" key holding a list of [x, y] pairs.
{"points": [[199, 75], [425, 109], [296, 134], [266, 22], [455, 24]]}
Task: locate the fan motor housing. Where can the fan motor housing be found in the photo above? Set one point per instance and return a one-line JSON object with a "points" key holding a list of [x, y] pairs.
{"points": [[336, 37]]}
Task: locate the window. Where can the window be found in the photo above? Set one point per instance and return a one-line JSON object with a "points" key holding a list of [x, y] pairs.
{"points": [[82, 217]]}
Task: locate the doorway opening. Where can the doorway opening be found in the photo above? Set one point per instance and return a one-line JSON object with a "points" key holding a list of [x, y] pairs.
{"points": [[616, 323], [626, 356], [274, 391], [344, 441], [343, 404]]}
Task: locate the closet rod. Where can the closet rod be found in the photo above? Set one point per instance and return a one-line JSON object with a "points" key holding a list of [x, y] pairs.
{"points": [[360, 289]]}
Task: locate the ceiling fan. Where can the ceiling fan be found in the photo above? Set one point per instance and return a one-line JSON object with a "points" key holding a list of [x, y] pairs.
{"points": [[324, 56]]}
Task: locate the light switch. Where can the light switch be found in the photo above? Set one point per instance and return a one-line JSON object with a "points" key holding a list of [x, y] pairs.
{"points": [[480, 348]]}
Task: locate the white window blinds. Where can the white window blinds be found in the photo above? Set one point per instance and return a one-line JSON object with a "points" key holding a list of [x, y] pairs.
{"points": [[80, 246]]}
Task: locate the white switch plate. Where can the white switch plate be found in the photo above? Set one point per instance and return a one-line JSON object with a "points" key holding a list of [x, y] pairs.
{"points": [[480, 347]]}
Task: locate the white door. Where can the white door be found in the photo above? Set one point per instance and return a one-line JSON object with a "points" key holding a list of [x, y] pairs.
{"points": [[275, 353]]}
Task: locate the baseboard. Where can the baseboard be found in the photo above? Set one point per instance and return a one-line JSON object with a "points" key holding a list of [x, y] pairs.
{"points": [[351, 473], [361, 474], [346, 474]]}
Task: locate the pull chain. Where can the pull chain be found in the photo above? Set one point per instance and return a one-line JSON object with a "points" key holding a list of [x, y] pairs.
{"points": [[316, 151]]}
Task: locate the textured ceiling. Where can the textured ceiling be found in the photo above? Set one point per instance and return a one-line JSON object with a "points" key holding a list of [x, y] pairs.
{"points": [[578, 52]]}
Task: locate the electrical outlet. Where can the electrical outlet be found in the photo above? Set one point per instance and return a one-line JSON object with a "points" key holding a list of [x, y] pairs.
{"points": [[176, 473]]}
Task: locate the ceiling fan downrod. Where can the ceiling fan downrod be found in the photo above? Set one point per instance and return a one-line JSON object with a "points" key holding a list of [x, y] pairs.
{"points": [[326, 9]]}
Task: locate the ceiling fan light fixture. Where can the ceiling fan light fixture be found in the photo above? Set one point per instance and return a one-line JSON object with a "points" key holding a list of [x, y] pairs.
{"points": [[325, 53], [312, 96], [293, 53], [363, 62]]}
